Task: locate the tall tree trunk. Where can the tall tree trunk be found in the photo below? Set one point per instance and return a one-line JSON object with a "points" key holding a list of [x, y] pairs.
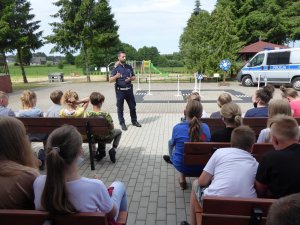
{"points": [[5, 66], [86, 65], [20, 58]]}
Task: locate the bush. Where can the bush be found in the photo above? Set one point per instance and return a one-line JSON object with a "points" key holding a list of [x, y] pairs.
{"points": [[60, 65], [49, 64]]}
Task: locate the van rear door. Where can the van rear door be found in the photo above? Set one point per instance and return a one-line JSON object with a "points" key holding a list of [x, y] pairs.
{"points": [[277, 64]]}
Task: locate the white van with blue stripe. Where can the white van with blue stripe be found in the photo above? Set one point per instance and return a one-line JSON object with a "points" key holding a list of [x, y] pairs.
{"points": [[274, 66]]}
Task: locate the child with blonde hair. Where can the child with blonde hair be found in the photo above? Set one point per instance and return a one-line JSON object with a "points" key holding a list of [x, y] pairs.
{"points": [[71, 105], [28, 101], [231, 115], [222, 99], [276, 106]]}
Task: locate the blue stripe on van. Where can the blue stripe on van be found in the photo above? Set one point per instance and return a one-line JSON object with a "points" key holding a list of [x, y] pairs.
{"points": [[275, 67]]}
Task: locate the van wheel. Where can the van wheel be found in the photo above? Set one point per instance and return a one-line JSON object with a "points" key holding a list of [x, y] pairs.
{"points": [[296, 83], [247, 81]]}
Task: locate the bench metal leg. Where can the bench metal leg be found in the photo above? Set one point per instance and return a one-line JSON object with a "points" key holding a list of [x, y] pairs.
{"points": [[90, 141]]}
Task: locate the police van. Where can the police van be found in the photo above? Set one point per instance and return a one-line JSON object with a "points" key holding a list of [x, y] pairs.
{"points": [[280, 66]]}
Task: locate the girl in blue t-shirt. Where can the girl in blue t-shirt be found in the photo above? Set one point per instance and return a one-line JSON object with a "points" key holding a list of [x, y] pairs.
{"points": [[192, 130]]}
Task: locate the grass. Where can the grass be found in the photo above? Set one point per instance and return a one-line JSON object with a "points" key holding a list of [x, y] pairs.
{"points": [[28, 86], [40, 73], [173, 69]]}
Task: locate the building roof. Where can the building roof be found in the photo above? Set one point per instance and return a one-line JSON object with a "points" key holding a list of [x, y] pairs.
{"points": [[261, 46]]}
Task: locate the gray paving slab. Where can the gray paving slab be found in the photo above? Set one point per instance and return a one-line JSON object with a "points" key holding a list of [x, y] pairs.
{"points": [[154, 195]]}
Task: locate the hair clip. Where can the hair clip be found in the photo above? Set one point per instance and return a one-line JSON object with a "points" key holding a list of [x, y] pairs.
{"points": [[56, 149]]}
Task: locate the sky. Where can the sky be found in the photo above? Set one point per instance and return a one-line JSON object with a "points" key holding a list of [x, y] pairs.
{"points": [[157, 23]]}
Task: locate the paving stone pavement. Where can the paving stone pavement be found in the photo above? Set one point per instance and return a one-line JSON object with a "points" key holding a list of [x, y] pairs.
{"points": [[154, 195]]}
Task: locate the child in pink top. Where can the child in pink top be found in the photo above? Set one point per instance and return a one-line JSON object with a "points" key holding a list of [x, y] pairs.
{"points": [[292, 96]]}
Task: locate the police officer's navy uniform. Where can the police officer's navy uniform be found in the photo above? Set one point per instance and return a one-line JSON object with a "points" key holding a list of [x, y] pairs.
{"points": [[124, 91]]}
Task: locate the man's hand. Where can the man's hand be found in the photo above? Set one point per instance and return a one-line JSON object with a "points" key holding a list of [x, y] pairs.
{"points": [[128, 79], [118, 75]]}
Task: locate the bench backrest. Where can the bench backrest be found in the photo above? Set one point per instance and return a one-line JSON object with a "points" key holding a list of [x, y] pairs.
{"points": [[257, 124], [47, 125], [17, 217], [198, 153], [235, 211], [258, 150]]}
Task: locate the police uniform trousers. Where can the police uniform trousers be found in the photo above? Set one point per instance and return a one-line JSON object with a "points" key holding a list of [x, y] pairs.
{"points": [[129, 97]]}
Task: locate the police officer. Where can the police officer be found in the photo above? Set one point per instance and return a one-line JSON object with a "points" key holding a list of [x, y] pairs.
{"points": [[122, 75]]}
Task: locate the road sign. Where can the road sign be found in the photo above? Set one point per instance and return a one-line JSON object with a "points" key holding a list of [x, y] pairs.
{"points": [[225, 64]]}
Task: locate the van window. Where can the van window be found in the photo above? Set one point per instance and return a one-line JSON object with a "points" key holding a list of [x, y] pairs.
{"points": [[295, 57], [258, 60], [278, 58]]}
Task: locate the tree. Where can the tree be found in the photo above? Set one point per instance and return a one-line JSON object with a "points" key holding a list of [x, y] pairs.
{"points": [[194, 42], [85, 24], [197, 7], [106, 37], [70, 59], [39, 54], [26, 56], [224, 42], [148, 53], [24, 36], [131, 52]]}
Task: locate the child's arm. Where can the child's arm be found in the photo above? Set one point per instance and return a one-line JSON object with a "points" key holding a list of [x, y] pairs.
{"points": [[84, 101]]}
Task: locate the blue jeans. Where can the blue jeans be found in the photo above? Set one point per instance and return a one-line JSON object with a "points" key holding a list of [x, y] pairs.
{"points": [[119, 197]]}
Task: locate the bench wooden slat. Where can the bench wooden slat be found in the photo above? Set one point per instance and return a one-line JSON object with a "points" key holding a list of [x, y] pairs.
{"points": [[18, 217], [35, 217], [232, 211]]}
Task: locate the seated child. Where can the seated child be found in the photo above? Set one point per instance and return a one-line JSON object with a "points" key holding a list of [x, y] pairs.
{"points": [[231, 115], [29, 109], [292, 96], [97, 100], [4, 111], [64, 191], [71, 101], [230, 172], [197, 97], [17, 166], [54, 110], [223, 99], [192, 130]]}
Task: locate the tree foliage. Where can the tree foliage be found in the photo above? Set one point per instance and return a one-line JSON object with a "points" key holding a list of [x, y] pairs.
{"points": [[18, 31], [210, 37], [86, 25]]}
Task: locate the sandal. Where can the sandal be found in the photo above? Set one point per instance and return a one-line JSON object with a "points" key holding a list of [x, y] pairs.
{"points": [[182, 184]]}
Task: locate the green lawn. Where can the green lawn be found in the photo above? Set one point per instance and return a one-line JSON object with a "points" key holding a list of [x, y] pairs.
{"points": [[41, 71]]}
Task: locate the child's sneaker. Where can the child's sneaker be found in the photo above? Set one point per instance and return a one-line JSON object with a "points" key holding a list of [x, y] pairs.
{"points": [[112, 154]]}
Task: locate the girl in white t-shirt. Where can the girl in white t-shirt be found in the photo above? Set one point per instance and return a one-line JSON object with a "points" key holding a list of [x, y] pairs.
{"points": [[63, 190]]}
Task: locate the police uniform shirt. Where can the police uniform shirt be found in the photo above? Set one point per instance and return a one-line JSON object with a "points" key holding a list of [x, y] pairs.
{"points": [[125, 71]]}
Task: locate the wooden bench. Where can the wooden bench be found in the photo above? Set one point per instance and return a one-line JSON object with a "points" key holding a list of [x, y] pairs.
{"points": [[86, 126], [34, 217], [233, 211], [198, 153]]}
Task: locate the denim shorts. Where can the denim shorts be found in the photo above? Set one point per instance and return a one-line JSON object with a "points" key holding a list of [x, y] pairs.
{"points": [[199, 191]]}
